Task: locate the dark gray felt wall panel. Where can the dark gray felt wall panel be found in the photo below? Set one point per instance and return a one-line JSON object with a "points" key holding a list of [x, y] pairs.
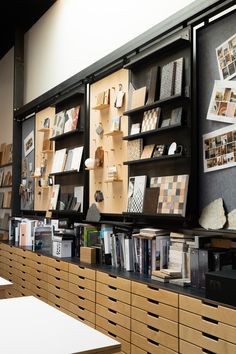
{"points": [[221, 183]]}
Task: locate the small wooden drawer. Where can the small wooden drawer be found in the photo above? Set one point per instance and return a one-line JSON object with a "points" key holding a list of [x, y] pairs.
{"points": [[136, 350], [58, 273], [38, 291], [13, 256], [114, 316], [82, 312], [113, 304], [155, 321], [81, 301], [82, 271], [209, 326], [79, 318], [39, 266], [82, 291], [156, 294], [57, 263], [83, 281], [58, 300], [113, 327], [112, 280], [114, 292], [5, 246], [39, 282], [38, 274], [56, 290], [154, 334], [37, 257], [26, 261], [12, 293], [188, 348], [19, 251], [206, 341], [208, 309], [155, 307], [61, 283], [125, 346], [24, 291], [149, 346]]}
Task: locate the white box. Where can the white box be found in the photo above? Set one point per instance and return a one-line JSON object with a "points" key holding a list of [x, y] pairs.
{"points": [[61, 248]]}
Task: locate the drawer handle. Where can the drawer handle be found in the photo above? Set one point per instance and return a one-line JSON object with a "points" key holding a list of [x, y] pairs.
{"points": [[23, 286], [112, 299], [57, 287], [204, 302], [81, 297], [81, 287], [207, 351], [153, 315], [57, 269], [113, 311], [111, 334], [38, 279], [152, 328], [39, 263], [153, 301], [112, 287], [111, 322], [210, 336], [81, 277], [57, 305], [81, 318], [38, 287], [112, 276], [58, 297], [81, 308], [153, 342], [57, 278], [153, 288], [209, 320], [81, 267]]}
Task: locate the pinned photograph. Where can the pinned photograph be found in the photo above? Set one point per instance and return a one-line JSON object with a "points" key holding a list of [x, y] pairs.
{"points": [[29, 143], [226, 58], [219, 149], [222, 106]]}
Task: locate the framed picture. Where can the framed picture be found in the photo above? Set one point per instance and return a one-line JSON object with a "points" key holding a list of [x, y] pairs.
{"points": [[159, 151], [165, 123], [226, 58], [29, 143], [219, 149], [46, 123], [222, 107]]}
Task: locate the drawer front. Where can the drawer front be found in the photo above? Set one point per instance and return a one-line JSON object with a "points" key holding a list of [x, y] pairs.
{"points": [[113, 327], [40, 283], [113, 280], [82, 271], [38, 258], [12, 293], [79, 318], [81, 312], [81, 301], [81, 291], [155, 307], [61, 283], [125, 346], [155, 294], [187, 348], [19, 251], [150, 346], [155, 335], [208, 309], [136, 350], [39, 292], [53, 289], [57, 263], [37, 273], [81, 280], [24, 291], [113, 304], [13, 255], [5, 247], [203, 324], [58, 300], [155, 321], [39, 266], [58, 273], [113, 316], [113, 292], [205, 341]]}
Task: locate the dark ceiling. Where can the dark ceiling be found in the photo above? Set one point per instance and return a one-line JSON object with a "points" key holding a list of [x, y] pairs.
{"points": [[23, 13]]}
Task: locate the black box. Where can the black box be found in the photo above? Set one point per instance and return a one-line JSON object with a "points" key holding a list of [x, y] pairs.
{"points": [[221, 286]]}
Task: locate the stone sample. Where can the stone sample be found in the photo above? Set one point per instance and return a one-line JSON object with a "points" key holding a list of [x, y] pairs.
{"points": [[232, 220], [213, 215]]}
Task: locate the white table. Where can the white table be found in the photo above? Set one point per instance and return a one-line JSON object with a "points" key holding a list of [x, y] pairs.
{"points": [[4, 285], [30, 326]]}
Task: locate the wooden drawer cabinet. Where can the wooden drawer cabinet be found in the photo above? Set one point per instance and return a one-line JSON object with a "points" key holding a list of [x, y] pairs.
{"points": [[125, 346], [113, 292], [114, 281], [208, 309], [114, 316], [156, 294], [113, 304], [58, 264], [149, 346], [82, 271], [155, 321], [81, 291], [206, 341], [82, 281]]}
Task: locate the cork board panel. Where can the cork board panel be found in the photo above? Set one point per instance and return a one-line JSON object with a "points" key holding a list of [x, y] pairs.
{"points": [[115, 149], [42, 194]]}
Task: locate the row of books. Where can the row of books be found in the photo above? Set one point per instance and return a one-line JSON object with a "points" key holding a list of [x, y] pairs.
{"points": [[67, 201], [64, 160]]}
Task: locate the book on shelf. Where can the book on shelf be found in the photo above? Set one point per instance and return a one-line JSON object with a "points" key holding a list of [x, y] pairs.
{"points": [[59, 123], [71, 119], [79, 195], [171, 79], [134, 149], [147, 151], [115, 123], [150, 200], [138, 97], [151, 119], [76, 158], [54, 197], [136, 191], [135, 128], [59, 161]]}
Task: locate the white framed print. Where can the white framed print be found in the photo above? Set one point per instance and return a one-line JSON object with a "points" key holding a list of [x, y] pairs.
{"points": [[222, 107], [226, 58], [219, 149], [29, 143]]}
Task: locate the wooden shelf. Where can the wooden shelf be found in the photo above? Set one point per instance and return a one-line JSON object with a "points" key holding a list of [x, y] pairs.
{"points": [[159, 103], [65, 173], [152, 132], [44, 130], [114, 133], [6, 165], [113, 180], [101, 107], [155, 159], [137, 215], [66, 212], [47, 151], [64, 135], [6, 186]]}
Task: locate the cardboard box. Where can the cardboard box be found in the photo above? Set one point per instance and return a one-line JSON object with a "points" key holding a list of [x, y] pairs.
{"points": [[88, 255]]}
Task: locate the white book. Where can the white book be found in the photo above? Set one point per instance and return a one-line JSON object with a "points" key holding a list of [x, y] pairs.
{"points": [[76, 158], [79, 195], [129, 259], [54, 197], [59, 161]]}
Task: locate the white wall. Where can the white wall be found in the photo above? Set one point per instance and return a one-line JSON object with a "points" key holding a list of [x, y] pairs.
{"points": [[6, 97], [73, 34]]}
